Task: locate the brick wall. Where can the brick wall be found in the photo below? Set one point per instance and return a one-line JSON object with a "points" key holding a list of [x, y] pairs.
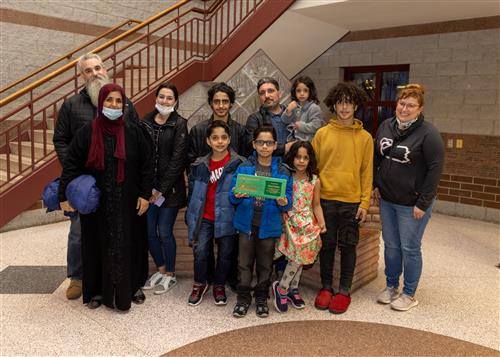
{"points": [[478, 157], [460, 71], [470, 190], [471, 173]]}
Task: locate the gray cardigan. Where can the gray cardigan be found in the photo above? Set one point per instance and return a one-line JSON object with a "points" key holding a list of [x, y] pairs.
{"points": [[310, 118]]}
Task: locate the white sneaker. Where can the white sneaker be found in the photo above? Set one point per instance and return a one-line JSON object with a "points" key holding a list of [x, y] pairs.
{"points": [[167, 283], [154, 280], [388, 295], [404, 303]]}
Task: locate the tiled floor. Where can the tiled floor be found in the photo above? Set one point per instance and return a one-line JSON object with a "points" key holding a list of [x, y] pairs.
{"points": [[459, 297]]}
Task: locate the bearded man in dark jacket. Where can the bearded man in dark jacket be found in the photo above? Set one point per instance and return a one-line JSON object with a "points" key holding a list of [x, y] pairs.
{"points": [[269, 113], [74, 113]]}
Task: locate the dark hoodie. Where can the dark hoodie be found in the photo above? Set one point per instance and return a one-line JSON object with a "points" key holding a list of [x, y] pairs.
{"points": [[408, 164]]}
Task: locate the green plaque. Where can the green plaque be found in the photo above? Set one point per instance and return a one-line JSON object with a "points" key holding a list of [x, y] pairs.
{"points": [[260, 186]]}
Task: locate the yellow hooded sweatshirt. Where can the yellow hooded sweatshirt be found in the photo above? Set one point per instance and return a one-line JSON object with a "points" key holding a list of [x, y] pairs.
{"points": [[345, 162]]}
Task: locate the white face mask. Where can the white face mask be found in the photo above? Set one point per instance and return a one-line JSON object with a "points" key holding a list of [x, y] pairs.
{"points": [[163, 109]]}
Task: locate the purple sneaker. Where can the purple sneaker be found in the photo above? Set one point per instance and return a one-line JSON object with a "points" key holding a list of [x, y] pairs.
{"points": [[294, 297], [280, 298]]}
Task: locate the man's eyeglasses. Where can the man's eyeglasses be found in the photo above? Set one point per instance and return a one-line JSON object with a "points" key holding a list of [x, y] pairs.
{"points": [[268, 143]]}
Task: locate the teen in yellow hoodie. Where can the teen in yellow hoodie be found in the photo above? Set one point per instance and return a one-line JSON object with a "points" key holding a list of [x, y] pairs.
{"points": [[344, 151]]}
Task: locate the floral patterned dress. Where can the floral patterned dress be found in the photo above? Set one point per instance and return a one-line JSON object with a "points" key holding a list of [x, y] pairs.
{"points": [[301, 242]]}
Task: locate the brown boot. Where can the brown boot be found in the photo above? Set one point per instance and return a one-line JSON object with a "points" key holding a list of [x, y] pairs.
{"points": [[74, 289]]}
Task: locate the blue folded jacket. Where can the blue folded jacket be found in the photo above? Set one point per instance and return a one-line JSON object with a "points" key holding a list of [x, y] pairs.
{"points": [[82, 194], [50, 196]]}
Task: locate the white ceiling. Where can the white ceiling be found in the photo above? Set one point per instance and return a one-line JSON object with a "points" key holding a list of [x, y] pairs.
{"points": [[356, 15]]}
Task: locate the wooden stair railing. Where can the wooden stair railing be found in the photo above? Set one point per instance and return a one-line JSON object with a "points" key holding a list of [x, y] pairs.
{"points": [[183, 44], [69, 55]]}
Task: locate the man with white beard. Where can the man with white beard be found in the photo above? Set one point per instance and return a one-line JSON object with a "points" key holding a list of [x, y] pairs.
{"points": [[74, 113]]}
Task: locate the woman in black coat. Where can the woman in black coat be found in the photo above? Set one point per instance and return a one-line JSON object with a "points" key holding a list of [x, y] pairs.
{"points": [[114, 246], [168, 131]]}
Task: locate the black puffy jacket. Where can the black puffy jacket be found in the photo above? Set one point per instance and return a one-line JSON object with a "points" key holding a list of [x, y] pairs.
{"points": [[171, 158], [74, 113], [198, 146]]}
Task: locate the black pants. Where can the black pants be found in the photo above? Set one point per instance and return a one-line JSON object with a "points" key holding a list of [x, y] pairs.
{"points": [[342, 229], [232, 277], [253, 250]]}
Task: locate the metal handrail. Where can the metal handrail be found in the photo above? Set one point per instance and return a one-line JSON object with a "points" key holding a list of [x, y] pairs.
{"points": [[165, 48], [183, 47], [64, 68], [69, 54], [212, 7]]}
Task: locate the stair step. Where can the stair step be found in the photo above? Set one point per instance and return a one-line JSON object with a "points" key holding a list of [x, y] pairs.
{"points": [[26, 149], [3, 177], [49, 134], [9, 123], [143, 73], [14, 162], [50, 123]]}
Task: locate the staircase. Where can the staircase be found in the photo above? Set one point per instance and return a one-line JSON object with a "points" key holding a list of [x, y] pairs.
{"points": [[183, 44]]}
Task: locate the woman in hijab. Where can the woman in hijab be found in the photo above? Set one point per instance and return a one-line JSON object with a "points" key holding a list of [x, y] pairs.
{"points": [[114, 243]]}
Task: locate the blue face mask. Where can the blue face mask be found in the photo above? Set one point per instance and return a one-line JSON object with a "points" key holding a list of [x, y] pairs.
{"points": [[112, 114]]}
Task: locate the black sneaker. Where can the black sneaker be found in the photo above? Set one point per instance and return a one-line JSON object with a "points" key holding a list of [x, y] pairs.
{"points": [[197, 294], [220, 295], [95, 302], [261, 308], [138, 297], [240, 309]]}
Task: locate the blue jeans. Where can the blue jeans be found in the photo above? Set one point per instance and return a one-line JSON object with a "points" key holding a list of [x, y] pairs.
{"points": [[162, 245], [402, 236], [74, 256], [202, 249]]}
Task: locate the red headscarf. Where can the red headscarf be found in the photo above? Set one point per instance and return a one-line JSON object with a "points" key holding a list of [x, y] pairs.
{"points": [[103, 126]]}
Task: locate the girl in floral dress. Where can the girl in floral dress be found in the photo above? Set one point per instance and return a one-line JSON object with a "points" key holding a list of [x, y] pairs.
{"points": [[301, 242]]}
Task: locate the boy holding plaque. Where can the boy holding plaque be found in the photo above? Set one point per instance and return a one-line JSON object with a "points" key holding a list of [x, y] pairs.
{"points": [[209, 213], [259, 220]]}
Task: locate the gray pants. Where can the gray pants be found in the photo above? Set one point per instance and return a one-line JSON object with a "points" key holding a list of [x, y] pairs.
{"points": [[74, 257], [291, 276], [253, 250]]}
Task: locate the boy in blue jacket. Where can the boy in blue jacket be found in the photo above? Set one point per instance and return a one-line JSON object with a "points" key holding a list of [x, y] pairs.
{"points": [[259, 222], [209, 213]]}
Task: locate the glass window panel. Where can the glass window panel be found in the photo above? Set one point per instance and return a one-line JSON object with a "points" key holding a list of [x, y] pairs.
{"points": [[390, 83], [366, 81], [385, 113], [366, 116]]}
